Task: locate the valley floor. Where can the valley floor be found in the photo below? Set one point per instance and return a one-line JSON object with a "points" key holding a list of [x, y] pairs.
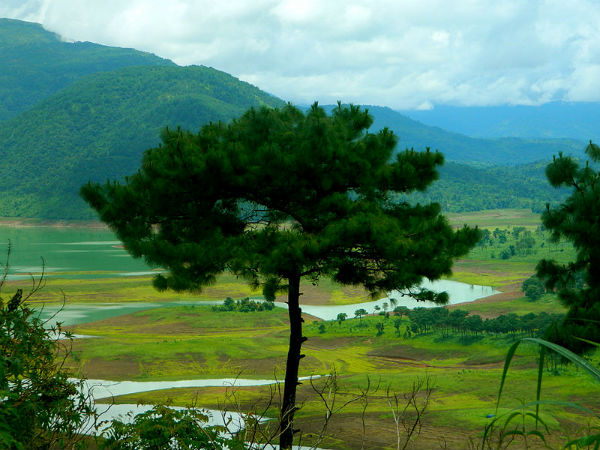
{"points": [[373, 360]]}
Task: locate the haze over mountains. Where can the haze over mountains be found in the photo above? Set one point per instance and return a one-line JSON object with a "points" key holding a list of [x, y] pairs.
{"points": [[578, 121], [70, 112]]}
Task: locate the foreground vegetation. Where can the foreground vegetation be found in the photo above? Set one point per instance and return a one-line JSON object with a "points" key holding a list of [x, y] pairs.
{"points": [[194, 341]]}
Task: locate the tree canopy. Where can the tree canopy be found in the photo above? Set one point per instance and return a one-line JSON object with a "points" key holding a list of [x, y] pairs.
{"points": [[577, 219], [279, 195]]}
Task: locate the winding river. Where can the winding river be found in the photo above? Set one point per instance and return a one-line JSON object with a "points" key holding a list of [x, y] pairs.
{"points": [[77, 313]]}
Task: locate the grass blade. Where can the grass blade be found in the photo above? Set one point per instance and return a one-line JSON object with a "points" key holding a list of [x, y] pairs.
{"points": [[539, 385], [509, 356], [568, 354]]}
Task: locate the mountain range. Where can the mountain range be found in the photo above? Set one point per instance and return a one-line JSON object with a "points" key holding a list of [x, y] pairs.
{"points": [[73, 111], [572, 120]]}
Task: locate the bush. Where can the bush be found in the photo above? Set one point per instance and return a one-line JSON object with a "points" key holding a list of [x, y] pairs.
{"points": [[165, 428], [40, 406], [533, 288], [244, 305]]}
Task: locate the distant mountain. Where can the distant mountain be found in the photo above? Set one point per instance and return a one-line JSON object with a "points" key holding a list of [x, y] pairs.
{"points": [[73, 112], [460, 148], [98, 127], [35, 64], [576, 120]]}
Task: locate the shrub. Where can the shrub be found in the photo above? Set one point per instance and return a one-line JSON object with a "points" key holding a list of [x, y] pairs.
{"points": [[41, 406]]}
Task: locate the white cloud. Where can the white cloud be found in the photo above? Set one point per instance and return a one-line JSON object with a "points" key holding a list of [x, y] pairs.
{"points": [[404, 54]]}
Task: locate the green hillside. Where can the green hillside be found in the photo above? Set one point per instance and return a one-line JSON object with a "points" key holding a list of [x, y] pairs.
{"points": [[71, 112], [98, 127], [463, 187], [35, 64]]}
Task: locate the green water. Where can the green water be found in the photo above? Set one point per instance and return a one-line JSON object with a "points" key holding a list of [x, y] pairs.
{"points": [[67, 252]]}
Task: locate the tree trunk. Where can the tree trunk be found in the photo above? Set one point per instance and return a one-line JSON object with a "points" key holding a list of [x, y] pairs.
{"points": [[288, 407]]}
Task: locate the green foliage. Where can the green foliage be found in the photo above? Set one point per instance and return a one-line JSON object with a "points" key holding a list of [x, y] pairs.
{"points": [[425, 320], [278, 195], [576, 220], [318, 185], [41, 64], [360, 313], [506, 427], [533, 288], [97, 128], [40, 406], [465, 187], [243, 305], [166, 428]]}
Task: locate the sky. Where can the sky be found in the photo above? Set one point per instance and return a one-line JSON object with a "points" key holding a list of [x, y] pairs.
{"points": [[405, 54]]}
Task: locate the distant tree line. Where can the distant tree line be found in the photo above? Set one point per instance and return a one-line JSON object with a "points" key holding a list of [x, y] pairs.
{"points": [[458, 321], [243, 305], [516, 242]]}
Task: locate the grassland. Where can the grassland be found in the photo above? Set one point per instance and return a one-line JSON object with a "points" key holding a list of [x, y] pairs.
{"points": [[193, 341], [184, 342]]}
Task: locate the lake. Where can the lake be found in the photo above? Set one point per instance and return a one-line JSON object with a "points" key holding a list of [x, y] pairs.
{"points": [[73, 252], [87, 253]]}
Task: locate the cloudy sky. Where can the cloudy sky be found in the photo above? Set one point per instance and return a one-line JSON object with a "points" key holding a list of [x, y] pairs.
{"points": [[400, 53]]}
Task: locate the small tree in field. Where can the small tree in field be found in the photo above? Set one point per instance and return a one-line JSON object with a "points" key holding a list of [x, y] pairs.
{"points": [[533, 288], [277, 196], [360, 313], [577, 220]]}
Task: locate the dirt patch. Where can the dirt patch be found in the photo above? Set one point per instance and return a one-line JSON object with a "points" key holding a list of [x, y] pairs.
{"points": [[247, 367], [122, 368], [318, 343], [316, 295], [198, 358], [140, 324], [380, 433], [406, 352]]}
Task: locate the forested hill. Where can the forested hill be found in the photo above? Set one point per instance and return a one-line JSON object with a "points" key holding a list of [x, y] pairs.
{"points": [[461, 148], [462, 187], [98, 127], [73, 112], [35, 64]]}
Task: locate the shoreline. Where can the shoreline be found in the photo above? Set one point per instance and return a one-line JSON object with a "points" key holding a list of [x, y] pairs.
{"points": [[24, 222]]}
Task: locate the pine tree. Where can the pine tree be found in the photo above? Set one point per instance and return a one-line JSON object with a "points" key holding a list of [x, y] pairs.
{"points": [[277, 196], [577, 220]]}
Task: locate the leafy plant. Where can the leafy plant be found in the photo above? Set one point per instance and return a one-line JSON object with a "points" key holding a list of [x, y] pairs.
{"points": [[504, 428], [575, 220], [533, 288], [166, 428], [40, 406]]}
